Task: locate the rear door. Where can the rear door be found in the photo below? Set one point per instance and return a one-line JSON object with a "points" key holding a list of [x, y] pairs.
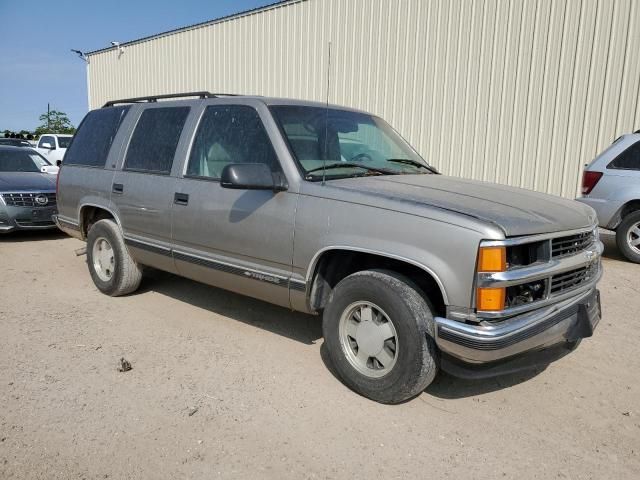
{"points": [[241, 240], [144, 184]]}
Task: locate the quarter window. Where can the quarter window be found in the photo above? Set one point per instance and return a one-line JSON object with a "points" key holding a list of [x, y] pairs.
{"points": [[92, 142], [155, 139], [627, 160], [229, 134]]}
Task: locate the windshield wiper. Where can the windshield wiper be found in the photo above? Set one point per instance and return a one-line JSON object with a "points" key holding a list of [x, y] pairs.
{"points": [[408, 161], [381, 171]]}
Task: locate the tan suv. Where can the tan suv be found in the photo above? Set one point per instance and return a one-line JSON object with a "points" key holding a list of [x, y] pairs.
{"points": [[327, 210]]}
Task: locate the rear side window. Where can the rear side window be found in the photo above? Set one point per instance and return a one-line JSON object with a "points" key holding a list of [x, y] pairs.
{"points": [[627, 160], [229, 134], [92, 141], [155, 140]]}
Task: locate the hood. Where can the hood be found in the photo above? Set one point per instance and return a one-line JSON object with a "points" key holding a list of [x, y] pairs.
{"points": [[26, 181], [514, 210]]}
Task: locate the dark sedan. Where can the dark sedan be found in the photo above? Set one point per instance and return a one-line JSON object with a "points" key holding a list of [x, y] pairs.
{"points": [[15, 142], [27, 193]]}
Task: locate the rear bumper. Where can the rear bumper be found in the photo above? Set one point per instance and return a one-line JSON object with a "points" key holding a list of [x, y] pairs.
{"points": [[566, 321]]}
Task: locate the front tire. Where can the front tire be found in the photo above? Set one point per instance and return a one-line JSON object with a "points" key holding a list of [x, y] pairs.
{"points": [[112, 269], [628, 237], [378, 329]]}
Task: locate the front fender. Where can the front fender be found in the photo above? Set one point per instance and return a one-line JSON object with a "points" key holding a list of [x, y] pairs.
{"points": [[446, 251]]}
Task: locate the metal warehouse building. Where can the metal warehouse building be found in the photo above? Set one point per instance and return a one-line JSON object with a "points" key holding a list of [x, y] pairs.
{"points": [[521, 92]]}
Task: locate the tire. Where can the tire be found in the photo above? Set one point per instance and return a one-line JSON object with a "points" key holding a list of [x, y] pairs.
{"points": [[392, 298], [627, 232], [114, 272]]}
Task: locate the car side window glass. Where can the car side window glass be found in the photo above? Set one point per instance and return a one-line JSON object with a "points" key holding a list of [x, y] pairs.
{"points": [[155, 139], [45, 139], [627, 160], [92, 142], [229, 134]]}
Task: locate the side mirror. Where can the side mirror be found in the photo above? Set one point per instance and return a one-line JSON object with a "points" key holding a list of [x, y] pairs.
{"points": [[58, 163], [251, 176], [47, 145]]}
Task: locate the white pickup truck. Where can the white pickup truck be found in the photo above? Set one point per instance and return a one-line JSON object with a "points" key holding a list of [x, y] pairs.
{"points": [[53, 146]]}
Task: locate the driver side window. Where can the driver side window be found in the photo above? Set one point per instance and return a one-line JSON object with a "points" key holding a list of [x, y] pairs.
{"points": [[49, 140], [229, 134]]}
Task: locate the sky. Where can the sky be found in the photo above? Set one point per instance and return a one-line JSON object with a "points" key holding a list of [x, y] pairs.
{"points": [[37, 66]]}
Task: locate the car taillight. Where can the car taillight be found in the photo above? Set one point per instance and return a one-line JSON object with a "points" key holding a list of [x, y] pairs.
{"points": [[589, 180]]}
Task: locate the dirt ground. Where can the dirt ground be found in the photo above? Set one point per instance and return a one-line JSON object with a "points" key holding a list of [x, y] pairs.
{"points": [[224, 386]]}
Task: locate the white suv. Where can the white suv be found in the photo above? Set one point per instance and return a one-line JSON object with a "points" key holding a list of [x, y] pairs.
{"points": [[53, 146]]}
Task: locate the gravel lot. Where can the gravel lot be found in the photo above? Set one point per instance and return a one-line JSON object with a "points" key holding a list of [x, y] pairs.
{"points": [[225, 386]]}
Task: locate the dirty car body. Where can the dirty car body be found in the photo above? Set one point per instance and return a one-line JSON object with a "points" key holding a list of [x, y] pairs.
{"points": [[342, 195]]}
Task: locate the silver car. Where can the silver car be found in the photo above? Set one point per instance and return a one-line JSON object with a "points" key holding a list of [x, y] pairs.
{"points": [[611, 186], [27, 190], [327, 210]]}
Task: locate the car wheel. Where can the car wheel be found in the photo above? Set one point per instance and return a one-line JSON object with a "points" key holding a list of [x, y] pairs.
{"points": [[378, 329], [112, 269], [628, 237]]}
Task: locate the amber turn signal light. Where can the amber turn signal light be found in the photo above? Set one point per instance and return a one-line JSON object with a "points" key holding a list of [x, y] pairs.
{"points": [[490, 299], [492, 259]]}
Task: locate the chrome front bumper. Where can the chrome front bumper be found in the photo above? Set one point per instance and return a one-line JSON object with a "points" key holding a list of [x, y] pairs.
{"points": [[566, 321]]}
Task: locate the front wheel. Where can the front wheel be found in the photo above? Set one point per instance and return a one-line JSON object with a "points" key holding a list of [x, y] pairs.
{"points": [[112, 269], [378, 329], [628, 237]]}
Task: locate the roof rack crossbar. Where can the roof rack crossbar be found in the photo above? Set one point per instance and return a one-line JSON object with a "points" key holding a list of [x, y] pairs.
{"points": [[155, 98]]}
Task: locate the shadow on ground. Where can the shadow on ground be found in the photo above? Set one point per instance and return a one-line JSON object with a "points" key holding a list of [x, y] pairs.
{"points": [[32, 236], [446, 386], [302, 328], [611, 250]]}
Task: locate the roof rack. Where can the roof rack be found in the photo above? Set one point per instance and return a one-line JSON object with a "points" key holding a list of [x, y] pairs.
{"points": [[155, 98]]}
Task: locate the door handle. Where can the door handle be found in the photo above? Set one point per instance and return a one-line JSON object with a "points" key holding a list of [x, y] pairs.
{"points": [[181, 198], [118, 188]]}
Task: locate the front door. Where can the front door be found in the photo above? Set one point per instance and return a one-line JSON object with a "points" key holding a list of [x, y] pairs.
{"points": [[240, 240]]}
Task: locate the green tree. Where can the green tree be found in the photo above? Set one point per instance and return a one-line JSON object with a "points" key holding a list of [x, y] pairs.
{"points": [[55, 122]]}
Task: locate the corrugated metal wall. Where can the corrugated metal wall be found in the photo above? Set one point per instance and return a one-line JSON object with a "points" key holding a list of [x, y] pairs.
{"points": [[522, 92]]}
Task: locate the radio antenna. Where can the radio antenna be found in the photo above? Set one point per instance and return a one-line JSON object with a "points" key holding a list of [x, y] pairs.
{"points": [[326, 119]]}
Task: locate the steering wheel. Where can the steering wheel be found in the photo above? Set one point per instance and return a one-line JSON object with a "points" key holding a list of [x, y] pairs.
{"points": [[361, 157]]}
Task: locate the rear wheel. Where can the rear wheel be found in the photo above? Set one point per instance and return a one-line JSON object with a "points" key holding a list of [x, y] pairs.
{"points": [[378, 329], [628, 236], [112, 269]]}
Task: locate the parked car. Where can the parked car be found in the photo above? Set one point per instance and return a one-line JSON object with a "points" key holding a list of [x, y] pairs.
{"points": [[27, 191], [327, 210], [53, 147], [15, 142], [611, 185]]}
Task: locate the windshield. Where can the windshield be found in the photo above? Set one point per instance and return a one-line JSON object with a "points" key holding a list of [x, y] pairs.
{"points": [[64, 141], [365, 144], [21, 161]]}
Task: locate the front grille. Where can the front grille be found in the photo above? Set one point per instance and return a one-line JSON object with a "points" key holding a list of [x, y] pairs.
{"points": [[573, 278], [29, 199], [563, 246]]}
